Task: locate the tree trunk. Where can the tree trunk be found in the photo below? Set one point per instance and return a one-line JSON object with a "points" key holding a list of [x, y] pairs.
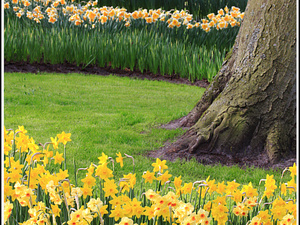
{"points": [[248, 113]]}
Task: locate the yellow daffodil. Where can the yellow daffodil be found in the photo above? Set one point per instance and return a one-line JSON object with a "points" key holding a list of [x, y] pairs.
{"points": [[164, 177], [6, 5], [159, 166], [125, 221], [293, 170], [103, 171], [55, 210], [58, 158], [187, 188], [63, 137], [7, 210], [120, 159], [110, 188], [149, 177], [103, 159], [117, 213], [89, 180], [86, 191]]}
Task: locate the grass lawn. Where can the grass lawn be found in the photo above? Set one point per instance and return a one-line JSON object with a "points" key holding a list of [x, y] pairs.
{"points": [[109, 114]]}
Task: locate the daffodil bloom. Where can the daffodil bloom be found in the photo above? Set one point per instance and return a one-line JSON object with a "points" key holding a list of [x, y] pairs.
{"points": [[189, 18], [64, 138], [283, 189], [175, 22], [91, 15], [8, 191], [287, 220], [6, 5], [155, 16], [15, 176], [116, 200], [204, 26], [232, 186], [159, 165], [58, 158], [103, 158], [52, 20], [7, 148], [233, 23], [250, 191], [234, 14], [293, 170], [86, 191], [149, 211], [170, 25], [56, 3], [177, 182], [255, 221], [29, 15], [187, 188], [183, 210], [149, 19], [189, 26], [220, 200], [89, 180], [7, 210], [56, 210], [95, 204], [202, 214], [237, 195], [236, 9], [210, 16], [103, 19], [131, 178], [135, 15], [110, 188], [149, 177], [103, 171], [222, 24], [151, 195], [278, 212], [219, 213], [164, 177], [119, 159], [125, 221], [27, 3], [292, 185], [191, 219], [117, 213], [242, 15]]}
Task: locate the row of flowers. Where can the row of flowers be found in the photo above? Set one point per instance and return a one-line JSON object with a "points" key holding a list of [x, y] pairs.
{"points": [[46, 197], [91, 16]]}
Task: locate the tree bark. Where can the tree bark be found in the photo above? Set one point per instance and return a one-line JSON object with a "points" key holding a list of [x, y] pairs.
{"points": [[249, 110]]}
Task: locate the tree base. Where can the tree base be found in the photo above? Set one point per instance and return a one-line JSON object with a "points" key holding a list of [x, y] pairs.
{"points": [[180, 149]]}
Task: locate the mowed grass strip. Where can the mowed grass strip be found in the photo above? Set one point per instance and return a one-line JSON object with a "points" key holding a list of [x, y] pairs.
{"points": [[109, 114]]}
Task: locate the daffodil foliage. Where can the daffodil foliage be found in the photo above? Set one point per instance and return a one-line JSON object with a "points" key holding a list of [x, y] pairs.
{"points": [[35, 193]]}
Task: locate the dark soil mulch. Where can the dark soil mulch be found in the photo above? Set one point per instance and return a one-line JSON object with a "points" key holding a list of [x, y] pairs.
{"points": [[25, 67]]}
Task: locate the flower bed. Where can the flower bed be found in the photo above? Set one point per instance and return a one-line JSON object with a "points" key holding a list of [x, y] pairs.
{"points": [[37, 191], [89, 15], [163, 42]]}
